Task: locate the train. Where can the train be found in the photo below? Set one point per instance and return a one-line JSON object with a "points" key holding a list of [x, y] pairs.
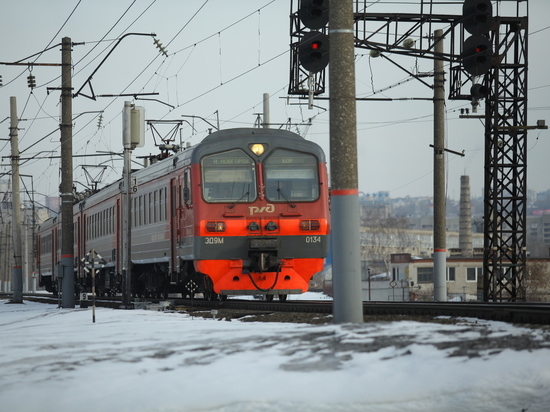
{"points": [[243, 212]]}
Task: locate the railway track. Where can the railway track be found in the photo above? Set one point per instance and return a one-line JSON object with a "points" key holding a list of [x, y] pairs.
{"points": [[517, 312]]}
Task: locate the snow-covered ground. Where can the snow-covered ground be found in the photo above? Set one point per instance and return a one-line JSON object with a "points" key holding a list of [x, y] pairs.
{"points": [[55, 359]]}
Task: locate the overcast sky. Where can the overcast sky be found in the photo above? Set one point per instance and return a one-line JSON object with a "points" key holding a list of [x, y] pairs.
{"points": [[221, 57]]}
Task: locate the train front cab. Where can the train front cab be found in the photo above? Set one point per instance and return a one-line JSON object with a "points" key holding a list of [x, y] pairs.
{"points": [[263, 220]]}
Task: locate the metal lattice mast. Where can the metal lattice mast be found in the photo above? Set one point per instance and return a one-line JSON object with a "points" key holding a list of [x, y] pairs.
{"points": [[506, 164], [505, 119]]}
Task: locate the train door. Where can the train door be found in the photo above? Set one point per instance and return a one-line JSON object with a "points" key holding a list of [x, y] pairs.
{"points": [[84, 232], [187, 223], [118, 230], [79, 247], [174, 223], [37, 254], [55, 259]]}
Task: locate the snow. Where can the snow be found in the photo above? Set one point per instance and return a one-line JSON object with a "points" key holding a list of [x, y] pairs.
{"points": [[55, 359]]}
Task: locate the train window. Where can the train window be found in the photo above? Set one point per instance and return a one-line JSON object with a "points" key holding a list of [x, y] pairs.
{"points": [[187, 187], [165, 200], [163, 204], [291, 176], [155, 206], [145, 210], [134, 212], [140, 210], [151, 208], [161, 201], [228, 177]]}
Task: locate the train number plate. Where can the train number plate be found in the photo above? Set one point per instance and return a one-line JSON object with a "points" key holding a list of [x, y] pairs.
{"points": [[213, 240], [264, 243]]}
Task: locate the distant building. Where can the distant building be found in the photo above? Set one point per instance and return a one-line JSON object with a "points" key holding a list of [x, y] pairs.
{"points": [[464, 277], [538, 233]]}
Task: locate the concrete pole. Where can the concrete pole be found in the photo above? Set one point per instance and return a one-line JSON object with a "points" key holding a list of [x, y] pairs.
{"points": [[465, 220], [33, 246], [67, 230], [25, 255], [346, 267], [267, 119], [126, 208], [17, 273], [9, 246], [440, 222]]}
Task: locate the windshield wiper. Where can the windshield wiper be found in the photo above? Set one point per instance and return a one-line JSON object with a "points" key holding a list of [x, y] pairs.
{"points": [[239, 199], [280, 190]]}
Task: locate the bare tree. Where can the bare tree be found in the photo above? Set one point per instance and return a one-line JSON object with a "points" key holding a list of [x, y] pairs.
{"points": [[537, 281], [382, 236]]}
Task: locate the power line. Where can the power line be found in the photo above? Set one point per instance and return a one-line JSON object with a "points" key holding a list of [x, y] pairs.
{"points": [[186, 24]]}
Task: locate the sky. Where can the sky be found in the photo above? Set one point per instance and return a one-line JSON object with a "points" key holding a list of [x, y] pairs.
{"points": [[148, 361], [221, 57]]}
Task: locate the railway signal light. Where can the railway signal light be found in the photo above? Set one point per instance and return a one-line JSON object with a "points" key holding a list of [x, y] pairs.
{"points": [[477, 50], [313, 51], [313, 13], [477, 16], [477, 55], [479, 91]]}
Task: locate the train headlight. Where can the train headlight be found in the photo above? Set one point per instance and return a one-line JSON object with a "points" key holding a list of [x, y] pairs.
{"points": [[253, 227], [310, 225], [257, 148], [215, 226], [271, 226]]}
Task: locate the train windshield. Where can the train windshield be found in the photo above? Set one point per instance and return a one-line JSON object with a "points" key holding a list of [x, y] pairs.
{"points": [[291, 176], [228, 177]]}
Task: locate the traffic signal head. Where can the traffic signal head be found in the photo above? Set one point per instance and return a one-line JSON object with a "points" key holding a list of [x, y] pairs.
{"points": [[313, 51], [313, 13], [477, 16], [479, 91], [477, 55]]}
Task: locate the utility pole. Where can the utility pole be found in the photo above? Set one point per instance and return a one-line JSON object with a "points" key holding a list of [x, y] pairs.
{"points": [[126, 207], [346, 266], [17, 274], [440, 247], [66, 126]]}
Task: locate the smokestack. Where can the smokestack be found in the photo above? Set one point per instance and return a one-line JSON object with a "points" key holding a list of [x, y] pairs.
{"points": [[465, 222]]}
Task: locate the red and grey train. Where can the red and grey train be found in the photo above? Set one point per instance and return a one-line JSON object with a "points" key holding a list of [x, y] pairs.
{"points": [[246, 211]]}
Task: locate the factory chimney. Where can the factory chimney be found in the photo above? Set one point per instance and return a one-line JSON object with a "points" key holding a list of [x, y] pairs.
{"points": [[465, 222]]}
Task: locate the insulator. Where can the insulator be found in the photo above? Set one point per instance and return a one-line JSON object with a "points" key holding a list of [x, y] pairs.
{"points": [[160, 47], [31, 82]]}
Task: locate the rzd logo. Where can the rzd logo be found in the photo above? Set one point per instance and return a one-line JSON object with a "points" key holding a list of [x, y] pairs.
{"points": [[269, 208]]}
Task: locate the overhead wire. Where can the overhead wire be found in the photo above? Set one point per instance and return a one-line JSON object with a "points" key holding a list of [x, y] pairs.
{"points": [[105, 35], [187, 23], [114, 25]]}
